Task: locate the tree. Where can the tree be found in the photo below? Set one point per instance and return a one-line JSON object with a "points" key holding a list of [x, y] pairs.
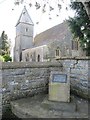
{"points": [[5, 47], [4, 44], [86, 4], [87, 7], [80, 26], [38, 3]]}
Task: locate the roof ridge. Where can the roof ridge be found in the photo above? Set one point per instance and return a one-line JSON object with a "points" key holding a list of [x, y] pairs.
{"points": [[51, 28], [57, 32]]}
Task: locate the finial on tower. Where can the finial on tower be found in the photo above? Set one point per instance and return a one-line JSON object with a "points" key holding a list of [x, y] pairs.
{"points": [[24, 17]]}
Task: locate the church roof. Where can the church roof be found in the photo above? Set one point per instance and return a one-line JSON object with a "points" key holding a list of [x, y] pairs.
{"points": [[24, 17], [59, 32]]}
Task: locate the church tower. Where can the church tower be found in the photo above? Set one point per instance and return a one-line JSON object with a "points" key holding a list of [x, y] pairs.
{"points": [[24, 35]]}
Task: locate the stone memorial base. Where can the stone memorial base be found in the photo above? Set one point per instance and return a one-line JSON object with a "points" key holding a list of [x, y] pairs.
{"points": [[58, 106], [40, 107], [59, 87], [59, 92]]}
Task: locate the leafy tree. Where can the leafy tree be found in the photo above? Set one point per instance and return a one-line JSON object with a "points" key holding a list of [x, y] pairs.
{"points": [[45, 3], [86, 4], [80, 26], [4, 44], [43, 6], [4, 48]]}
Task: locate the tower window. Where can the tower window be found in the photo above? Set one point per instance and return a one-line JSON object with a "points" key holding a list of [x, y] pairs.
{"points": [[23, 12], [26, 29]]}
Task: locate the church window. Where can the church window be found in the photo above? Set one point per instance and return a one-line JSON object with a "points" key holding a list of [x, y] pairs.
{"points": [[57, 52], [74, 45], [38, 59]]}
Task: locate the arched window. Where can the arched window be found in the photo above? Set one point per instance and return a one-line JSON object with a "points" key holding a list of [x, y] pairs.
{"points": [[38, 59], [74, 45], [57, 52]]}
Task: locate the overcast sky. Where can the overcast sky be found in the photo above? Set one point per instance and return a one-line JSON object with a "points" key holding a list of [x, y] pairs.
{"points": [[10, 15]]}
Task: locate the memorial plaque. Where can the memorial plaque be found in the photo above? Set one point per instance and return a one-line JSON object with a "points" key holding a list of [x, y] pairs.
{"points": [[62, 78], [59, 86]]}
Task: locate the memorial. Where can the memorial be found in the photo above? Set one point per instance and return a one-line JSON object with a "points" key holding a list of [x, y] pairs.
{"points": [[62, 78], [59, 86]]}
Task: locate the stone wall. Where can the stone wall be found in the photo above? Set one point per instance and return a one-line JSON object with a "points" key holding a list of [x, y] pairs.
{"points": [[23, 79], [79, 69]]}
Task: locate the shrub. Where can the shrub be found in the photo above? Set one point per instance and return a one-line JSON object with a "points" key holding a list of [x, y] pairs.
{"points": [[7, 58]]}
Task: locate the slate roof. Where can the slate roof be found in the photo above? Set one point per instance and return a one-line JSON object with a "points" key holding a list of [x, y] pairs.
{"points": [[58, 32], [24, 17]]}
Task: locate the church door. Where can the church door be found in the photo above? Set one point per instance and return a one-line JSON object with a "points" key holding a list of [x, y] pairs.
{"points": [[21, 56], [38, 59]]}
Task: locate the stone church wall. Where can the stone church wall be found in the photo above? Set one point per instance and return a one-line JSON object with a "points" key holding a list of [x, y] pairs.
{"points": [[33, 54], [61, 46]]}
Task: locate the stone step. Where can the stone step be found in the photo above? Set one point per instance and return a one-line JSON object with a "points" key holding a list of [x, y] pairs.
{"points": [[59, 106], [40, 107]]}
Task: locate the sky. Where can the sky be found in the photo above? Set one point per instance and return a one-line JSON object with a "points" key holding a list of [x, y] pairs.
{"points": [[10, 15]]}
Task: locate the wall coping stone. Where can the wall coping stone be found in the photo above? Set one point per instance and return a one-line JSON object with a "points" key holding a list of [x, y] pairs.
{"points": [[74, 58], [15, 65]]}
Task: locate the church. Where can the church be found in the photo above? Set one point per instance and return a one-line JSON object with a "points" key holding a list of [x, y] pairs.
{"points": [[54, 43]]}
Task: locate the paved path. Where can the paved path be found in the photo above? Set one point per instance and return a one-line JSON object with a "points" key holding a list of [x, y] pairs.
{"points": [[40, 107]]}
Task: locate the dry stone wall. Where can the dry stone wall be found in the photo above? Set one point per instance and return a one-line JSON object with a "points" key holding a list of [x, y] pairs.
{"points": [[25, 79], [79, 70]]}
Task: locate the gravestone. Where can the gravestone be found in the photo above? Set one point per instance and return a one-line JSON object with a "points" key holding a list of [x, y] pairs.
{"points": [[59, 86]]}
